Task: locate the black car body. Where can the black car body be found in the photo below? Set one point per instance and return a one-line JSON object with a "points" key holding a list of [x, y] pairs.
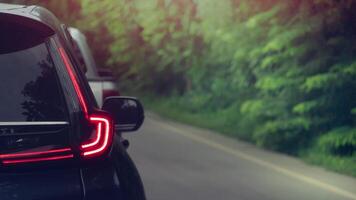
{"points": [[55, 143]]}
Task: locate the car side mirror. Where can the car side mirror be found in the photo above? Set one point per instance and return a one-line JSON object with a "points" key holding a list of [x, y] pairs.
{"points": [[127, 112]]}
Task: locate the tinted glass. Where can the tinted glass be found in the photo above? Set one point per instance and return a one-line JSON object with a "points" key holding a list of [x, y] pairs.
{"points": [[29, 87]]}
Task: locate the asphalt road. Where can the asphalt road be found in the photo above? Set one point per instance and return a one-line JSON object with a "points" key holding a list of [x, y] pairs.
{"points": [[179, 162]]}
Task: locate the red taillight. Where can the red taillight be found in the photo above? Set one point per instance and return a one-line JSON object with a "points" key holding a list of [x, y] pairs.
{"points": [[31, 160], [74, 80], [21, 155], [101, 139], [30, 157]]}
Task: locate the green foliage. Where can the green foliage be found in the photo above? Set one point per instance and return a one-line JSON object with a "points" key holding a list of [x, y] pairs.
{"points": [[340, 141], [280, 74], [67, 11]]}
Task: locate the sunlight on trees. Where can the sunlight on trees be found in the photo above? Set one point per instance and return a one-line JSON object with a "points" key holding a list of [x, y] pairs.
{"points": [[281, 74]]}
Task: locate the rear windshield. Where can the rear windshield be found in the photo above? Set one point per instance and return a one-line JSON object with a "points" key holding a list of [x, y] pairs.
{"points": [[29, 86]]}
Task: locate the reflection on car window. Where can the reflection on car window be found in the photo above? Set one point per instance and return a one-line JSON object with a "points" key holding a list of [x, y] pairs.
{"points": [[29, 89]]}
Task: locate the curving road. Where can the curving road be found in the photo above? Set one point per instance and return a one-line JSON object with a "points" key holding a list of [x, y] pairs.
{"points": [[179, 162]]}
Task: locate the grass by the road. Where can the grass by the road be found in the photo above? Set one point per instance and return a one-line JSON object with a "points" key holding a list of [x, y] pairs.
{"points": [[221, 122]]}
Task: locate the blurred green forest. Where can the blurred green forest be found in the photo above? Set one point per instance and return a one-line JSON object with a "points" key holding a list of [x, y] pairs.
{"points": [[279, 74]]}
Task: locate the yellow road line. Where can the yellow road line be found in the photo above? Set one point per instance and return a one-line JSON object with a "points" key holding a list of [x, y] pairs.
{"points": [[263, 163]]}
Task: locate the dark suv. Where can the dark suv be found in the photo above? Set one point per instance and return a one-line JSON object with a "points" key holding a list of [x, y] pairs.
{"points": [[55, 143]]}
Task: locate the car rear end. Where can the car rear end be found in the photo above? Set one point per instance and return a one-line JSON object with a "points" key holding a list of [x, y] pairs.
{"points": [[54, 143]]}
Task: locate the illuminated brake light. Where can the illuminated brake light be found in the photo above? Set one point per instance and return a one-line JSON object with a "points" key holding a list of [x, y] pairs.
{"points": [[102, 140], [74, 80], [29, 157], [39, 153], [31, 160], [97, 137]]}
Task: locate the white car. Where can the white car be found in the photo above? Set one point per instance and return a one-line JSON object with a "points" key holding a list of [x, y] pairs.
{"points": [[101, 81]]}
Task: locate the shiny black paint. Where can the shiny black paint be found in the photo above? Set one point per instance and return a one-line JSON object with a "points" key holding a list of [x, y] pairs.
{"points": [[129, 177], [45, 184], [101, 181]]}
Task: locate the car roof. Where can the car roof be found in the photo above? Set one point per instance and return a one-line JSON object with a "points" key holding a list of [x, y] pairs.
{"points": [[4, 6], [35, 13]]}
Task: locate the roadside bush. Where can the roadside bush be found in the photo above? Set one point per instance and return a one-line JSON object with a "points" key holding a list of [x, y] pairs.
{"points": [[338, 142]]}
